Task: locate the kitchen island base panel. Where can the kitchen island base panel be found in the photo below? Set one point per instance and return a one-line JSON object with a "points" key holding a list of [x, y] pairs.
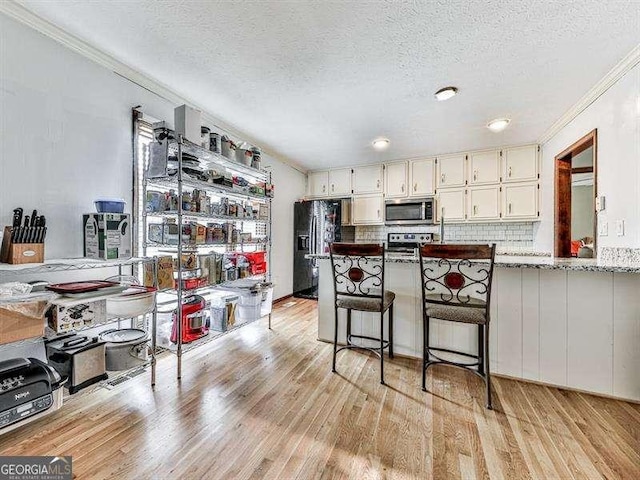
{"points": [[568, 328]]}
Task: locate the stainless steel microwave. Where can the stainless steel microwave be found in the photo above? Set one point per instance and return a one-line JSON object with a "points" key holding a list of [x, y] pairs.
{"points": [[409, 211]]}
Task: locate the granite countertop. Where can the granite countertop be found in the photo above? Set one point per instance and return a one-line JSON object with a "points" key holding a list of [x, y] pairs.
{"points": [[532, 261]]}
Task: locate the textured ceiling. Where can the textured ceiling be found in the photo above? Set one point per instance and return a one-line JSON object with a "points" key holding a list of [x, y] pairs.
{"points": [[317, 81]]}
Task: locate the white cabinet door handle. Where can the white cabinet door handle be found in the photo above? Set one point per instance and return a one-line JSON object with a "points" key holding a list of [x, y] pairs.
{"points": [[442, 177], [333, 187], [509, 173], [475, 175], [402, 188], [324, 188], [509, 208], [378, 184], [475, 209], [378, 213], [415, 187]]}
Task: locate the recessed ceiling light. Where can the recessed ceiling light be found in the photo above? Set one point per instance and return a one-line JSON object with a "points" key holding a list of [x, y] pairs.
{"points": [[381, 143], [498, 124], [446, 93]]}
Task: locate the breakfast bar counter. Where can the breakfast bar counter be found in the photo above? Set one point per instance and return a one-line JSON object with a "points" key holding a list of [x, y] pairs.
{"points": [[567, 322]]}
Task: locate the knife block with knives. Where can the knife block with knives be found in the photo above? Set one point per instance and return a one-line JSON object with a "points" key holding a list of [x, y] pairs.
{"points": [[24, 243]]}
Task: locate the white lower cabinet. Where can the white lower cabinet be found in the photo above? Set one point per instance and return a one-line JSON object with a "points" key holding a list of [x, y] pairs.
{"points": [[451, 205], [520, 201], [484, 203], [367, 210]]}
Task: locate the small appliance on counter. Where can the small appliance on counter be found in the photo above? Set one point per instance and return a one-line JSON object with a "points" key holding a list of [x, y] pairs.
{"points": [[195, 320], [81, 359], [29, 390]]}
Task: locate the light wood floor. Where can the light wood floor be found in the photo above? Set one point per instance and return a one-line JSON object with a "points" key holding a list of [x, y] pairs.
{"points": [[264, 404]]}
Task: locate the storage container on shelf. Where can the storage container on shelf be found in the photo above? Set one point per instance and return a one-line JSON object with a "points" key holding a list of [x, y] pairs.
{"points": [[249, 304], [254, 299], [223, 310], [109, 205], [267, 299]]}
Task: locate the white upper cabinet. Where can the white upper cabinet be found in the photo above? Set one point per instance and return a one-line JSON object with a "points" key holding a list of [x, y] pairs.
{"points": [[367, 179], [484, 167], [421, 178], [451, 171], [451, 205], [395, 180], [318, 184], [340, 182], [520, 163], [520, 201], [367, 210], [483, 203]]}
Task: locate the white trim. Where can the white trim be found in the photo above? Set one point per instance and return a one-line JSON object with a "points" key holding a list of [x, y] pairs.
{"points": [[615, 74], [27, 17]]}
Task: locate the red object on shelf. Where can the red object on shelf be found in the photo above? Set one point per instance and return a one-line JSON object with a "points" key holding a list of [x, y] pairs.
{"points": [[254, 257], [192, 283], [258, 268], [80, 287], [195, 323]]}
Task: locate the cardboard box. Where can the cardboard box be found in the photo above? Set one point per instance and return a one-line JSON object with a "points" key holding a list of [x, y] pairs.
{"points": [[165, 273], [201, 234], [188, 122], [65, 318], [107, 236], [22, 320]]}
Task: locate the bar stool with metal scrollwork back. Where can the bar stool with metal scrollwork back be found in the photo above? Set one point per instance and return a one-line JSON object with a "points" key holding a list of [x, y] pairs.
{"points": [[358, 280], [456, 287]]}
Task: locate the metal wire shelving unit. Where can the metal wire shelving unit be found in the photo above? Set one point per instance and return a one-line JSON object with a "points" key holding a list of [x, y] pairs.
{"points": [[179, 182], [84, 264]]}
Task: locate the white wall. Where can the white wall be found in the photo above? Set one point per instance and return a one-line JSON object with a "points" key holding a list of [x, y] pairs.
{"points": [[289, 187], [616, 115], [65, 130]]}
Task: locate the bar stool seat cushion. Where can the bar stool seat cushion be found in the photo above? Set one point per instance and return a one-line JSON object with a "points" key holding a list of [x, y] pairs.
{"points": [[364, 304], [456, 313]]}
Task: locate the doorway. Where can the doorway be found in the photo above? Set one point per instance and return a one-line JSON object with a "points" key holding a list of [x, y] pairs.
{"points": [[575, 196]]}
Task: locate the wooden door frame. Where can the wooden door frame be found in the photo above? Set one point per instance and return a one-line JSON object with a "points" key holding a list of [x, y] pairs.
{"points": [[560, 221]]}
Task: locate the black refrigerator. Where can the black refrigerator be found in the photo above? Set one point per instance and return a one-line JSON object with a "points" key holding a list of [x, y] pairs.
{"points": [[316, 223]]}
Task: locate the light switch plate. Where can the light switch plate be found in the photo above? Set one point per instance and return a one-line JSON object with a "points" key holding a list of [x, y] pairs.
{"points": [[603, 229], [620, 228]]}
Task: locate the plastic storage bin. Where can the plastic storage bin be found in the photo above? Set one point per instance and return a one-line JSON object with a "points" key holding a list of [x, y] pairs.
{"points": [[266, 303], [248, 308], [110, 205], [223, 311]]}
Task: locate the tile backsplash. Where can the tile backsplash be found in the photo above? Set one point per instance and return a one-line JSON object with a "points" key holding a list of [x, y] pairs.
{"points": [[511, 236]]}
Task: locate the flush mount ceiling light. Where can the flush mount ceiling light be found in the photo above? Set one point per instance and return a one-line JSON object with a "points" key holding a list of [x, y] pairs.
{"points": [[381, 143], [498, 124], [446, 93]]}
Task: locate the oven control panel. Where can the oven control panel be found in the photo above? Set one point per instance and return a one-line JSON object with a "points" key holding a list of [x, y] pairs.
{"points": [[410, 238]]}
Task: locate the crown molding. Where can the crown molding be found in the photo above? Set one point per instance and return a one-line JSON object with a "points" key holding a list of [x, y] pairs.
{"points": [[615, 74], [27, 17]]}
